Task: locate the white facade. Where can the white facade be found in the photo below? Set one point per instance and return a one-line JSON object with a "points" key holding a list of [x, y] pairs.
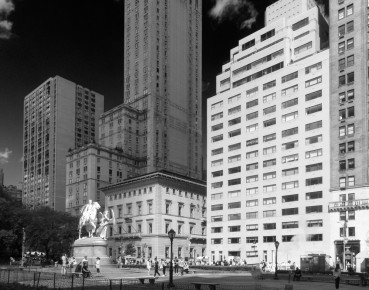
{"points": [[268, 146]]}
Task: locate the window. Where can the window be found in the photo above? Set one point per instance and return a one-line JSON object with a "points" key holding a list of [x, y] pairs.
{"points": [[252, 128], [290, 211], [342, 97], [314, 209], [252, 227], [350, 112], [252, 154], [234, 229], [313, 82], [234, 158], [290, 225], [269, 200], [217, 138], [300, 24], [234, 99], [216, 196], [232, 205], [351, 146], [349, 10], [234, 181], [341, 13], [269, 122], [290, 77], [350, 60], [270, 162], [342, 114], [289, 90], [313, 109], [350, 26], [234, 110], [252, 178], [290, 103], [314, 167], [290, 158], [252, 142], [269, 85], [289, 132], [341, 64], [234, 240], [217, 218], [216, 229], [269, 239], [269, 175], [350, 44], [313, 68], [252, 92], [314, 125], [269, 110], [217, 105], [252, 166], [314, 237], [216, 162], [269, 188], [252, 215], [216, 151], [290, 198], [342, 148], [290, 116], [269, 150], [342, 131], [314, 223], [270, 226], [350, 78], [290, 171], [350, 95], [350, 129], [217, 116], [303, 48], [234, 147], [287, 238], [269, 137], [301, 35], [234, 170], [341, 47], [234, 133], [248, 44], [351, 163], [252, 103], [216, 207], [269, 213], [313, 139], [234, 193], [342, 164], [314, 181], [251, 203], [341, 30], [217, 127], [267, 35], [251, 191], [217, 173], [290, 185], [234, 217], [217, 185], [290, 145], [269, 97], [351, 231], [216, 241]]}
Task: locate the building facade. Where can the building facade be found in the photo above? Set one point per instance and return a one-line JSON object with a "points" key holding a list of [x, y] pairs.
{"points": [[349, 130], [148, 206], [268, 145], [162, 78], [93, 166], [58, 115]]}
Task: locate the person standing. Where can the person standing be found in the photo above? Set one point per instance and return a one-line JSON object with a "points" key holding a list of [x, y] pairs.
{"points": [[164, 263], [337, 275], [175, 265], [156, 267], [97, 265], [64, 264], [148, 266]]}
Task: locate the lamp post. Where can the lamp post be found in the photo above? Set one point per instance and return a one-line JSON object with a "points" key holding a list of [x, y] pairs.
{"points": [[171, 235], [276, 263]]}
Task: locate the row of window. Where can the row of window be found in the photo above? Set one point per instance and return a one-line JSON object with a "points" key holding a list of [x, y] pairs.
{"points": [[349, 10], [267, 239], [268, 200]]}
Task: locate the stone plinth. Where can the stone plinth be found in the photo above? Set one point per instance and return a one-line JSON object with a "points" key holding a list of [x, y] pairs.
{"points": [[92, 248]]}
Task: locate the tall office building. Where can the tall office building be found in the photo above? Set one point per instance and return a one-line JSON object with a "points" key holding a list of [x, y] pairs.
{"points": [[268, 145], [162, 79], [349, 36], [58, 115]]}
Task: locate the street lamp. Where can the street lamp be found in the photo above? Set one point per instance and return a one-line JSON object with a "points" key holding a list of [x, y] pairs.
{"points": [[276, 243], [171, 235]]}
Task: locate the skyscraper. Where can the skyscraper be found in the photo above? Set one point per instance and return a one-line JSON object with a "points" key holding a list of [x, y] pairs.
{"points": [[349, 127], [268, 145], [162, 79], [58, 115]]}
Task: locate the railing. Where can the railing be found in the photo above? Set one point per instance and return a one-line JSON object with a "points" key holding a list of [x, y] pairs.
{"points": [[348, 205]]}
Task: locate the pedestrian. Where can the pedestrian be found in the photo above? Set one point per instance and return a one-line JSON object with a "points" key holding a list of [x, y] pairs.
{"points": [[156, 267], [97, 265], [297, 275], [263, 265], [148, 266], [85, 260], [180, 265], [175, 265], [64, 264], [164, 263], [337, 275]]}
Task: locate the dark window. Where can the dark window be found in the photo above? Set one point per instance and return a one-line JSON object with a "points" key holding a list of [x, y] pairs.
{"points": [[270, 226], [313, 181], [269, 239], [248, 44], [267, 35], [290, 211], [314, 209], [290, 198], [287, 238], [314, 195], [350, 26], [300, 24]]}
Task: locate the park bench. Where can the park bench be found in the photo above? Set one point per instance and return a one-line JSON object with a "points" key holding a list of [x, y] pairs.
{"points": [[212, 286], [151, 279]]}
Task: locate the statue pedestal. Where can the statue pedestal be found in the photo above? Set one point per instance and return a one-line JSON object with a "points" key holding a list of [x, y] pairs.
{"points": [[92, 248]]}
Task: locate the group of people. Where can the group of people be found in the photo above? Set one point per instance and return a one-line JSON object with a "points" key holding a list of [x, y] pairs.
{"points": [[162, 264], [81, 267]]}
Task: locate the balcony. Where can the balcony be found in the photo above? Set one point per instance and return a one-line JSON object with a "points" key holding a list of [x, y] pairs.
{"points": [[348, 205]]}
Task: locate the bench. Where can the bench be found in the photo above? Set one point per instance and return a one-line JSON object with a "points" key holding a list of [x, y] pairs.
{"points": [[212, 286], [151, 279]]}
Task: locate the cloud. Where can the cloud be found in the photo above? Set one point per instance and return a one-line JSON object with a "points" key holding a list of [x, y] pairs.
{"points": [[5, 155], [6, 7], [241, 11]]}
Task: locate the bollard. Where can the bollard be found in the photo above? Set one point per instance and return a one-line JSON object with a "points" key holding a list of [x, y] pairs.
{"points": [[162, 286], [71, 288], [120, 284], [83, 282], [110, 285]]}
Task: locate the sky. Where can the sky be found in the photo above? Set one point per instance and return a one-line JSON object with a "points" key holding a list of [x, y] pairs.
{"points": [[82, 40]]}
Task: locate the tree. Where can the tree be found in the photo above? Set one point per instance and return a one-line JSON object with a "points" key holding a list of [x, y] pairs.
{"points": [[130, 249]]}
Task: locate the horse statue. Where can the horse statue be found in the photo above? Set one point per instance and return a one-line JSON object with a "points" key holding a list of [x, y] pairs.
{"points": [[88, 218]]}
